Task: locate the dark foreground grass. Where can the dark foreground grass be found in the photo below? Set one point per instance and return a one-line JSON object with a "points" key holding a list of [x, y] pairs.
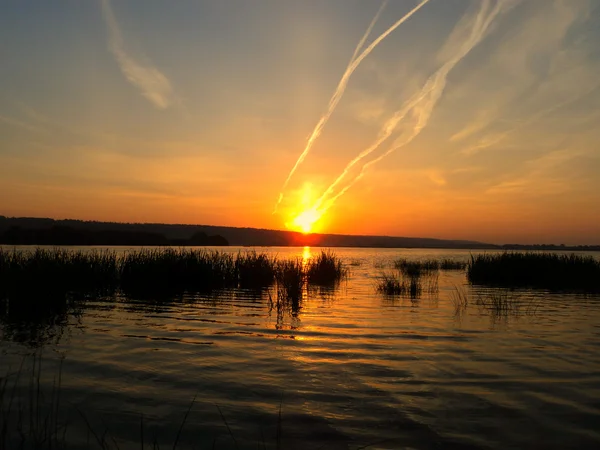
{"points": [[536, 270], [52, 273], [46, 276]]}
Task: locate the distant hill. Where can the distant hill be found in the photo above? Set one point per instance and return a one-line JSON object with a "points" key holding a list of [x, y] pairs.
{"points": [[40, 231], [181, 235]]}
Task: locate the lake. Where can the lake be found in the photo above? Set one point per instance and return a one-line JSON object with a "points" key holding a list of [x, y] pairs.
{"points": [[351, 368]]}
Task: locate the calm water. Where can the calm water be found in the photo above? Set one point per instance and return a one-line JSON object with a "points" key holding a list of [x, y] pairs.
{"points": [[352, 368]]}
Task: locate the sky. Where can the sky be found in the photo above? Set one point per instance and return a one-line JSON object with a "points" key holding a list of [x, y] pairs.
{"points": [[451, 119]]}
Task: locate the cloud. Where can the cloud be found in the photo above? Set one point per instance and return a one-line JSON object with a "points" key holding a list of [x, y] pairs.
{"points": [[414, 114], [537, 69], [545, 175], [357, 58], [153, 84]]}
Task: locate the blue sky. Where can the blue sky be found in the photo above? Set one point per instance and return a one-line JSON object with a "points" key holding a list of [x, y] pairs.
{"points": [[196, 111]]}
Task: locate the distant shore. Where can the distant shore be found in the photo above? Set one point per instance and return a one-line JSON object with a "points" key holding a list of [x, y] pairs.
{"points": [[45, 231]]}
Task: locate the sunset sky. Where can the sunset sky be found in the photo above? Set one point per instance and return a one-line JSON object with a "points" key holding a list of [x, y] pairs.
{"points": [[475, 119]]}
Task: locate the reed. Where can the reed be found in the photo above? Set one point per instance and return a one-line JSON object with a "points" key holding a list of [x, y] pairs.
{"points": [[55, 275], [324, 269], [401, 285], [291, 277], [499, 302], [417, 268], [460, 300], [172, 271], [255, 270], [536, 270]]}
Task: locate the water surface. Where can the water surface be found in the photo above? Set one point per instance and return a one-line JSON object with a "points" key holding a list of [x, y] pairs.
{"points": [[350, 368]]}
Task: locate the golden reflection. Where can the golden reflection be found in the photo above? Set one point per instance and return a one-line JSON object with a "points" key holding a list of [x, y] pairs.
{"points": [[306, 255]]}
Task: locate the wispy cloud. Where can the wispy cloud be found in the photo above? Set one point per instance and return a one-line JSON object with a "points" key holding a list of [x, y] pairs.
{"points": [[416, 112], [153, 84], [543, 175], [355, 61]]}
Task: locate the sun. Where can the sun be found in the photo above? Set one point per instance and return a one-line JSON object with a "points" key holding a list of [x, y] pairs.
{"points": [[305, 220], [306, 213]]}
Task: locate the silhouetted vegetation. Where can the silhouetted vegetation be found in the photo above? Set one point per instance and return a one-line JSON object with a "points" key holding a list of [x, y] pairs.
{"points": [[536, 270], [47, 276], [291, 279], [411, 281], [406, 286], [416, 268], [64, 235], [324, 269], [409, 267]]}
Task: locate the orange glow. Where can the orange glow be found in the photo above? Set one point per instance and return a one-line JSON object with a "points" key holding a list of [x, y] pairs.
{"points": [[305, 215], [305, 220]]}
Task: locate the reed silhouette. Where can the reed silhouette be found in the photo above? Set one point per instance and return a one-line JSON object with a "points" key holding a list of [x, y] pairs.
{"points": [[536, 270]]}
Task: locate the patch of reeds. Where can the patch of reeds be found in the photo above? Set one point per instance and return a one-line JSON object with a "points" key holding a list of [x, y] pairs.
{"points": [[173, 271], [325, 268], [46, 276], [390, 284], [428, 265], [536, 270], [54, 273], [291, 277], [255, 270], [417, 268], [408, 283]]}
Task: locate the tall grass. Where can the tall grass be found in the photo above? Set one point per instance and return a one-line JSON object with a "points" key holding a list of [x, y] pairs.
{"points": [[460, 300], [54, 273], [426, 266], [325, 268], [410, 283], [171, 271], [536, 270], [416, 268], [53, 276]]}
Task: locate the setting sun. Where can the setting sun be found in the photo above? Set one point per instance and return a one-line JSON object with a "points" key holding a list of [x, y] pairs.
{"points": [[305, 215], [305, 220]]}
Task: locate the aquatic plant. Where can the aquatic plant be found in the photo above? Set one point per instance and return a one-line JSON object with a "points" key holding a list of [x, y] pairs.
{"points": [[536, 270], [171, 271], [255, 270], [460, 299], [290, 276], [416, 268], [326, 268], [390, 284], [499, 302], [56, 272]]}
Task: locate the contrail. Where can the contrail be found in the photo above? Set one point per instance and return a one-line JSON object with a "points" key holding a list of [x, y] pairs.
{"points": [[337, 95], [420, 105], [154, 84]]}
